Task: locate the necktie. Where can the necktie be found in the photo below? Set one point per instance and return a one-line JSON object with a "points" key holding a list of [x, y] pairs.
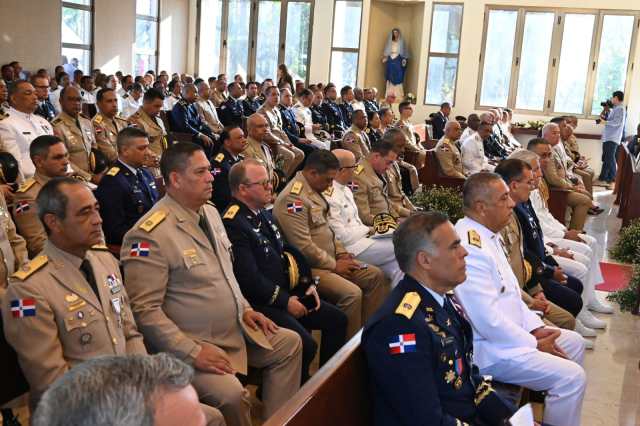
{"points": [[87, 271], [202, 223], [457, 308], [143, 185]]}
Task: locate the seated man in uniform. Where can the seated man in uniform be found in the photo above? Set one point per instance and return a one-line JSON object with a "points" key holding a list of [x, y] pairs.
{"points": [[402, 177], [259, 265], [302, 213], [419, 346], [511, 343], [147, 118], [356, 139], [370, 188], [107, 124], [447, 151], [404, 124], [192, 307], [184, 118], [233, 143]]}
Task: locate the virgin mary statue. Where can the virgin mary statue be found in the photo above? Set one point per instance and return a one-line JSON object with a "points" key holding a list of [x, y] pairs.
{"points": [[395, 60]]}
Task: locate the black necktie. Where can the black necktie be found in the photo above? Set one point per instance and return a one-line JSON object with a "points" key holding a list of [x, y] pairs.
{"points": [[202, 223], [143, 185], [87, 271]]}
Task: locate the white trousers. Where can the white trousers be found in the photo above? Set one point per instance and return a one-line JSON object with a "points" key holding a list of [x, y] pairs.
{"points": [[563, 380], [585, 266], [381, 254]]}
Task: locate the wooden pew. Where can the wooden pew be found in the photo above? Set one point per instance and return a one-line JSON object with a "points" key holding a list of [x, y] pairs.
{"points": [[338, 393], [558, 203], [431, 174], [173, 137]]}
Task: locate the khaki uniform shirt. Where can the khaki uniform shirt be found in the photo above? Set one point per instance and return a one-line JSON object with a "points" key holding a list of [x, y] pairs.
{"points": [[302, 214], [276, 134], [397, 198], [25, 213], [371, 193], [154, 127], [408, 131], [449, 158], [209, 115], [357, 141], [572, 147], [260, 152], [218, 98], [13, 249], [555, 172], [183, 291], [107, 133], [79, 141], [69, 323]]}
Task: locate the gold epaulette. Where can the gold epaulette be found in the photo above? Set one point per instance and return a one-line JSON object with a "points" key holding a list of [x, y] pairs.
{"points": [[30, 268], [219, 157], [231, 212], [359, 169], [26, 185], [409, 304], [474, 238], [113, 171], [56, 121], [100, 247], [296, 188], [153, 220], [97, 119], [329, 191]]}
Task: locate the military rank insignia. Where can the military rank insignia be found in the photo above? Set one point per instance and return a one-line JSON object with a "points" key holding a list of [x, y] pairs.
{"points": [[21, 308], [295, 207], [474, 238], [402, 343]]}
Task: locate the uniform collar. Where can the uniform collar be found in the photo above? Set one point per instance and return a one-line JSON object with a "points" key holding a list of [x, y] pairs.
{"points": [[482, 230], [57, 254], [183, 213], [24, 115], [131, 168], [40, 178]]}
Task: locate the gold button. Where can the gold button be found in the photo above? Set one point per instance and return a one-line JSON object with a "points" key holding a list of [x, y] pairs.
{"points": [[84, 324], [114, 341]]}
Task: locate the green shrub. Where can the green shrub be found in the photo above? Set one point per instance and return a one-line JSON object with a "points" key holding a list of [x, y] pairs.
{"points": [[438, 198], [627, 248], [628, 298]]}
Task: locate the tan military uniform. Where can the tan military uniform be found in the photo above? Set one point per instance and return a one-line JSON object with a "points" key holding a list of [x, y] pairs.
{"points": [[25, 213], [261, 152], [218, 98], [412, 144], [449, 158], [555, 177], [512, 237], [13, 249], [70, 324], [80, 140], [302, 214], [154, 128], [356, 141], [194, 298], [586, 173], [279, 142], [371, 193], [107, 133], [208, 114], [400, 203]]}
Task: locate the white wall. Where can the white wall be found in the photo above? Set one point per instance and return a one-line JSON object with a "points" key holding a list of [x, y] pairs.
{"points": [[115, 27]]}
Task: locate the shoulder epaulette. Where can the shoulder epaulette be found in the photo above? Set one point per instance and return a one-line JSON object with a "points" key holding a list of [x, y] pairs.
{"points": [[231, 212], [125, 96], [474, 238], [359, 169], [183, 102], [97, 119], [296, 188], [31, 267], [153, 220], [56, 121], [328, 191], [82, 115], [26, 185], [113, 171], [219, 157], [100, 247], [408, 304]]}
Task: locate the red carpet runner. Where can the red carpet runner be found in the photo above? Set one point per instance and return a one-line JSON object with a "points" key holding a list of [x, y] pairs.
{"points": [[616, 276]]}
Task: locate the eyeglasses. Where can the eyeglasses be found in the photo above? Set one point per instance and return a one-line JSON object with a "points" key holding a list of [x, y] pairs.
{"points": [[266, 183]]}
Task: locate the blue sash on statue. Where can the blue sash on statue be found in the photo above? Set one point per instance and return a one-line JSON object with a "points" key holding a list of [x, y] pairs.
{"points": [[394, 72]]}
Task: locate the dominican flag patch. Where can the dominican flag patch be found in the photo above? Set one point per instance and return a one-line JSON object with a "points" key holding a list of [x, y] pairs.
{"points": [[21, 308], [139, 249], [295, 207], [353, 186], [22, 206], [216, 171], [403, 343]]}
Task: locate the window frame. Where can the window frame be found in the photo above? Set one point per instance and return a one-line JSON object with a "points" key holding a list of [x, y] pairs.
{"points": [[443, 55], [345, 49], [554, 58], [90, 47], [149, 18], [253, 32]]}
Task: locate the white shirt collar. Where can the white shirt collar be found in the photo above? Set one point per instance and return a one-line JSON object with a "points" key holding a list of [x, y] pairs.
{"points": [[13, 111], [132, 169], [439, 298]]}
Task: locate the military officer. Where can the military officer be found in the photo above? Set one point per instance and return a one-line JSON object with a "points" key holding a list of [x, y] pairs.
{"points": [[370, 103], [302, 213], [206, 109], [182, 244], [45, 108], [304, 118], [397, 197], [348, 227], [332, 111], [259, 265], [356, 139], [251, 103], [107, 124], [127, 191], [231, 110], [511, 343], [50, 156], [184, 118], [70, 299], [345, 105], [406, 127], [13, 249], [419, 346], [370, 189], [174, 95], [22, 126], [148, 120], [219, 92], [256, 145], [233, 144], [447, 151], [77, 133]]}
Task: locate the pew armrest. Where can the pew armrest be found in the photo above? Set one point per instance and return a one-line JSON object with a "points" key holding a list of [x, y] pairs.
{"points": [[558, 202]]}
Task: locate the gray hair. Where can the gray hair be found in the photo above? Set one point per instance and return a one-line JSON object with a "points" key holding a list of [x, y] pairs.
{"points": [[112, 390], [238, 173], [477, 187], [51, 200], [414, 235], [547, 128], [524, 155], [187, 87]]}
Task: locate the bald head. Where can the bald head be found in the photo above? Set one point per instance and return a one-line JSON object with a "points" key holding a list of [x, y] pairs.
{"points": [[452, 130], [257, 127], [347, 161]]}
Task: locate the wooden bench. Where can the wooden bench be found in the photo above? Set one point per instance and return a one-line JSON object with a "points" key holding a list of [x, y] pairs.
{"points": [[338, 393], [431, 174], [558, 203]]}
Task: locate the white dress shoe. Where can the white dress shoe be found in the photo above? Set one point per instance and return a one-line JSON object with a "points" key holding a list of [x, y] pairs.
{"points": [[600, 307], [588, 344], [588, 320], [584, 331]]}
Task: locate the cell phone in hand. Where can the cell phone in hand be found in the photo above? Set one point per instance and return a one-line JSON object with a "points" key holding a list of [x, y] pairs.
{"points": [[308, 301]]}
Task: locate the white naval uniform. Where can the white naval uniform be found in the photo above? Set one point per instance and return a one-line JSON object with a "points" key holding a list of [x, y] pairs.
{"points": [[304, 117], [472, 153], [353, 234], [504, 347], [169, 102], [16, 133], [130, 106], [54, 98], [587, 254]]}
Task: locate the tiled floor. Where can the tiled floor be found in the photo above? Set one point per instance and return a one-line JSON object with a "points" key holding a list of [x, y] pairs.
{"points": [[613, 390]]}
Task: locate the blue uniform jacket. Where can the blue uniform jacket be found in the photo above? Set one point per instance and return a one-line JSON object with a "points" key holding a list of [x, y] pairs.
{"points": [[433, 382], [220, 166]]}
